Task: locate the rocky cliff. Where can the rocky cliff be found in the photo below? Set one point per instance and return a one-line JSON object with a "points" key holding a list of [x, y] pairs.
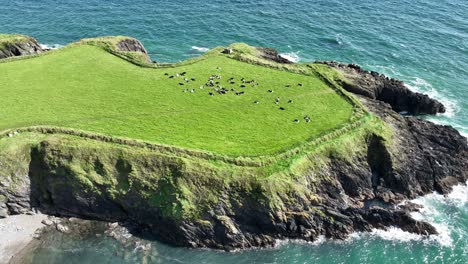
{"points": [[391, 91], [352, 184], [18, 45]]}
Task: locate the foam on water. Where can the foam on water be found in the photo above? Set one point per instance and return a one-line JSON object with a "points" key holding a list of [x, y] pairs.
{"points": [[291, 56], [50, 46], [200, 49], [431, 213], [422, 86]]}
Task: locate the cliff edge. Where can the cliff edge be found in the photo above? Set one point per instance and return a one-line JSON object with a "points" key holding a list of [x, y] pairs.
{"points": [[18, 45]]}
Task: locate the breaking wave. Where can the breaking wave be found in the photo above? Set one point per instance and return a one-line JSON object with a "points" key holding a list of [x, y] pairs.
{"points": [[432, 212], [200, 49], [51, 46], [291, 56], [422, 86]]}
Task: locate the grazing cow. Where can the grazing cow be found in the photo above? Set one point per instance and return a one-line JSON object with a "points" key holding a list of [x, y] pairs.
{"points": [[242, 86], [185, 79], [282, 108], [290, 101], [296, 121], [277, 99], [181, 83], [165, 74], [300, 84], [288, 85], [177, 75], [211, 94], [192, 79], [201, 87], [185, 90], [256, 102], [270, 91], [183, 73], [172, 76]]}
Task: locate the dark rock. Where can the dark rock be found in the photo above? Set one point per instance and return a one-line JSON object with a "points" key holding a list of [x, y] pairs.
{"points": [[227, 51], [133, 45], [273, 55], [411, 207], [391, 91], [28, 46]]}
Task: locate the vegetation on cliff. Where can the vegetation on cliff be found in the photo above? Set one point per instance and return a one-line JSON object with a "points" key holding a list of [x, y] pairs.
{"points": [[18, 45]]}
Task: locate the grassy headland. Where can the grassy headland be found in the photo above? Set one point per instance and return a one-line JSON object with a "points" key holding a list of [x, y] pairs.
{"points": [[87, 88]]}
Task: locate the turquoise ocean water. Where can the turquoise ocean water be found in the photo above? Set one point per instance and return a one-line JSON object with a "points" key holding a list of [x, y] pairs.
{"points": [[423, 42]]}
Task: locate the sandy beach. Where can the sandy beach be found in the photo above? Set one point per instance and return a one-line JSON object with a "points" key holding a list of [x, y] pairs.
{"points": [[16, 232]]}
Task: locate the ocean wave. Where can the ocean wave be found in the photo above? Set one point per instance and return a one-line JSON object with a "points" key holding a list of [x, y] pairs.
{"points": [[200, 49], [291, 56], [51, 46], [431, 212], [422, 86]]}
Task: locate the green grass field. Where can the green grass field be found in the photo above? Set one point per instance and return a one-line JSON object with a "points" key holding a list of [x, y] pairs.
{"points": [[85, 87]]}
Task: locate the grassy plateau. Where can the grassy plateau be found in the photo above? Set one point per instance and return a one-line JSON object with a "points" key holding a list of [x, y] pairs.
{"points": [[87, 88]]}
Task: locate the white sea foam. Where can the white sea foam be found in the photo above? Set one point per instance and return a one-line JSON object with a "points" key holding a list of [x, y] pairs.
{"points": [[422, 86], [465, 134], [200, 49], [320, 240], [431, 213], [51, 46], [291, 56]]}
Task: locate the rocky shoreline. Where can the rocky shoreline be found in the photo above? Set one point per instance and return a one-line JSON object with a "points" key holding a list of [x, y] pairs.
{"points": [[361, 193], [17, 232]]}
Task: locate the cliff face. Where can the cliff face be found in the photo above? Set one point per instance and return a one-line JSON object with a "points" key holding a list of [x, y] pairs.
{"points": [[205, 204], [18, 46]]}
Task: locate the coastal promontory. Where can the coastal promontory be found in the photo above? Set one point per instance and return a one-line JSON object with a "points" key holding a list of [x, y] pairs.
{"points": [[235, 149]]}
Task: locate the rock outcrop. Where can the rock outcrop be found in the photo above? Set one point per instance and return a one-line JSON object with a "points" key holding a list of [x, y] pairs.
{"points": [[134, 45], [131, 44], [273, 55], [394, 92], [18, 46]]}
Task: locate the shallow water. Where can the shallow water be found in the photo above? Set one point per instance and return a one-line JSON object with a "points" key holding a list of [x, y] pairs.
{"points": [[449, 215], [423, 42]]}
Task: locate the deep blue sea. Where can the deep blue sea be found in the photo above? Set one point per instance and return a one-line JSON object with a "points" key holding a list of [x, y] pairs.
{"points": [[423, 42]]}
